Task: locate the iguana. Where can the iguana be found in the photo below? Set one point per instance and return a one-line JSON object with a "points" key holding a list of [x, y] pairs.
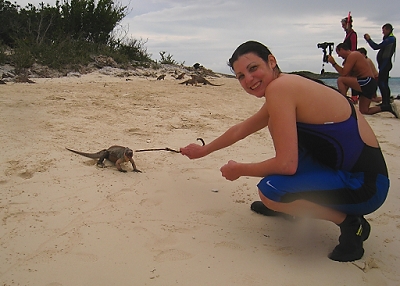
{"points": [[198, 79], [181, 76], [115, 154]]}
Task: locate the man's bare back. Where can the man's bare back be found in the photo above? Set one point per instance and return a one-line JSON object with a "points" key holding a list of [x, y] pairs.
{"points": [[357, 65]]}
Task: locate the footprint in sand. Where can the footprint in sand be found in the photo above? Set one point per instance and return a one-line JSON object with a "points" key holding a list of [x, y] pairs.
{"points": [[150, 202], [15, 167], [172, 255], [26, 174], [229, 244], [212, 212], [87, 257]]}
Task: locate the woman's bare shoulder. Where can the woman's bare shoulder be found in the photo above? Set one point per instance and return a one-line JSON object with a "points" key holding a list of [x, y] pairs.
{"points": [[298, 86], [308, 98]]}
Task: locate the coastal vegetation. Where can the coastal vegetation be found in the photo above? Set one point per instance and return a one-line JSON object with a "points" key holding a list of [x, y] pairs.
{"points": [[67, 35]]}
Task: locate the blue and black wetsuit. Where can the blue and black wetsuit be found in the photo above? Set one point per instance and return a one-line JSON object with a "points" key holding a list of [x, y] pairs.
{"points": [[336, 169], [384, 58]]}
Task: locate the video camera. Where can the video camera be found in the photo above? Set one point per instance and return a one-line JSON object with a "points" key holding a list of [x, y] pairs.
{"points": [[324, 46]]}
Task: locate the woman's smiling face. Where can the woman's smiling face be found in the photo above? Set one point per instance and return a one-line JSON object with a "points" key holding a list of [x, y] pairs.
{"points": [[253, 73]]}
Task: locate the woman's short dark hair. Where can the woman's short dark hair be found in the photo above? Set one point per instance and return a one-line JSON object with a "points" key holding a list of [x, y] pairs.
{"points": [[250, 47]]}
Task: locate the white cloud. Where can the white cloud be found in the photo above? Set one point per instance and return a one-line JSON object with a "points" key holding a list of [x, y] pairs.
{"points": [[209, 31]]}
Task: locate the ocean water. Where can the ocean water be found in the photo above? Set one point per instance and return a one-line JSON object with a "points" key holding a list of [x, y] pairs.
{"points": [[394, 84]]}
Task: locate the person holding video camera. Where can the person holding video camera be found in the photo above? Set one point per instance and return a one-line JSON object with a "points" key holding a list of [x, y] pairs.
{"points": [[357, 74], [384, 58]]}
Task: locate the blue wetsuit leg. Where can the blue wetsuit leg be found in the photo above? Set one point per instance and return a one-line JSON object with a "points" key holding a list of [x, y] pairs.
{"points": [[323, 185]]}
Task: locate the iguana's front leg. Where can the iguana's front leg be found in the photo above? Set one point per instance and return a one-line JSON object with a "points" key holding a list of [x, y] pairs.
{"points": [[118, 165], [134, 166]]}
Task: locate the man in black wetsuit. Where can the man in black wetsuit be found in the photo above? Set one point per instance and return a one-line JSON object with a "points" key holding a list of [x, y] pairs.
{"points": [[384, 58]]}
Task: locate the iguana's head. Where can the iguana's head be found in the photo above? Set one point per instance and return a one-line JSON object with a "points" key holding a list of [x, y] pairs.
{"points": [[128, 153]]}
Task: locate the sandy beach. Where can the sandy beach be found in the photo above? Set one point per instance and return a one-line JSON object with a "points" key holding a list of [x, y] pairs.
{"points": [[65, 221]]}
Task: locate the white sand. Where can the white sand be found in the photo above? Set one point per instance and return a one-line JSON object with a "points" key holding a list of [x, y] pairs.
{"points": [[65, 221]]}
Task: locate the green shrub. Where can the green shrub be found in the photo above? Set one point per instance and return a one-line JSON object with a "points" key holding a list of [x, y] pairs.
{"points": [[67, 35], [134, 50], [167, 59], [2, 54], [22, 57]]}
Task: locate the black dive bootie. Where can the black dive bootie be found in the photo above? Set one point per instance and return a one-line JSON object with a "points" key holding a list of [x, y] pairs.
{"points": [[260, 208], [390, 108], [353, 231]]}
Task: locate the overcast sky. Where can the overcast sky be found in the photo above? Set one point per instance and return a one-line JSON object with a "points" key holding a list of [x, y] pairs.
{"points": [[208, 31]]}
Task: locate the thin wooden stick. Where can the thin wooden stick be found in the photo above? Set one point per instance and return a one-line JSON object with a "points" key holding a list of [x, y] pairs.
{"points": [[158, 149], [166, 148]]}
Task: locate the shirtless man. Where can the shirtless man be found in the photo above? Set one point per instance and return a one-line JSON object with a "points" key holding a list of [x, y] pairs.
{"points": [[357, 74]]}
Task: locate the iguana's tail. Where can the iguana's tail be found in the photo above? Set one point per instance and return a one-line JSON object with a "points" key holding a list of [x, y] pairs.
{"points": [[88, 155]]}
